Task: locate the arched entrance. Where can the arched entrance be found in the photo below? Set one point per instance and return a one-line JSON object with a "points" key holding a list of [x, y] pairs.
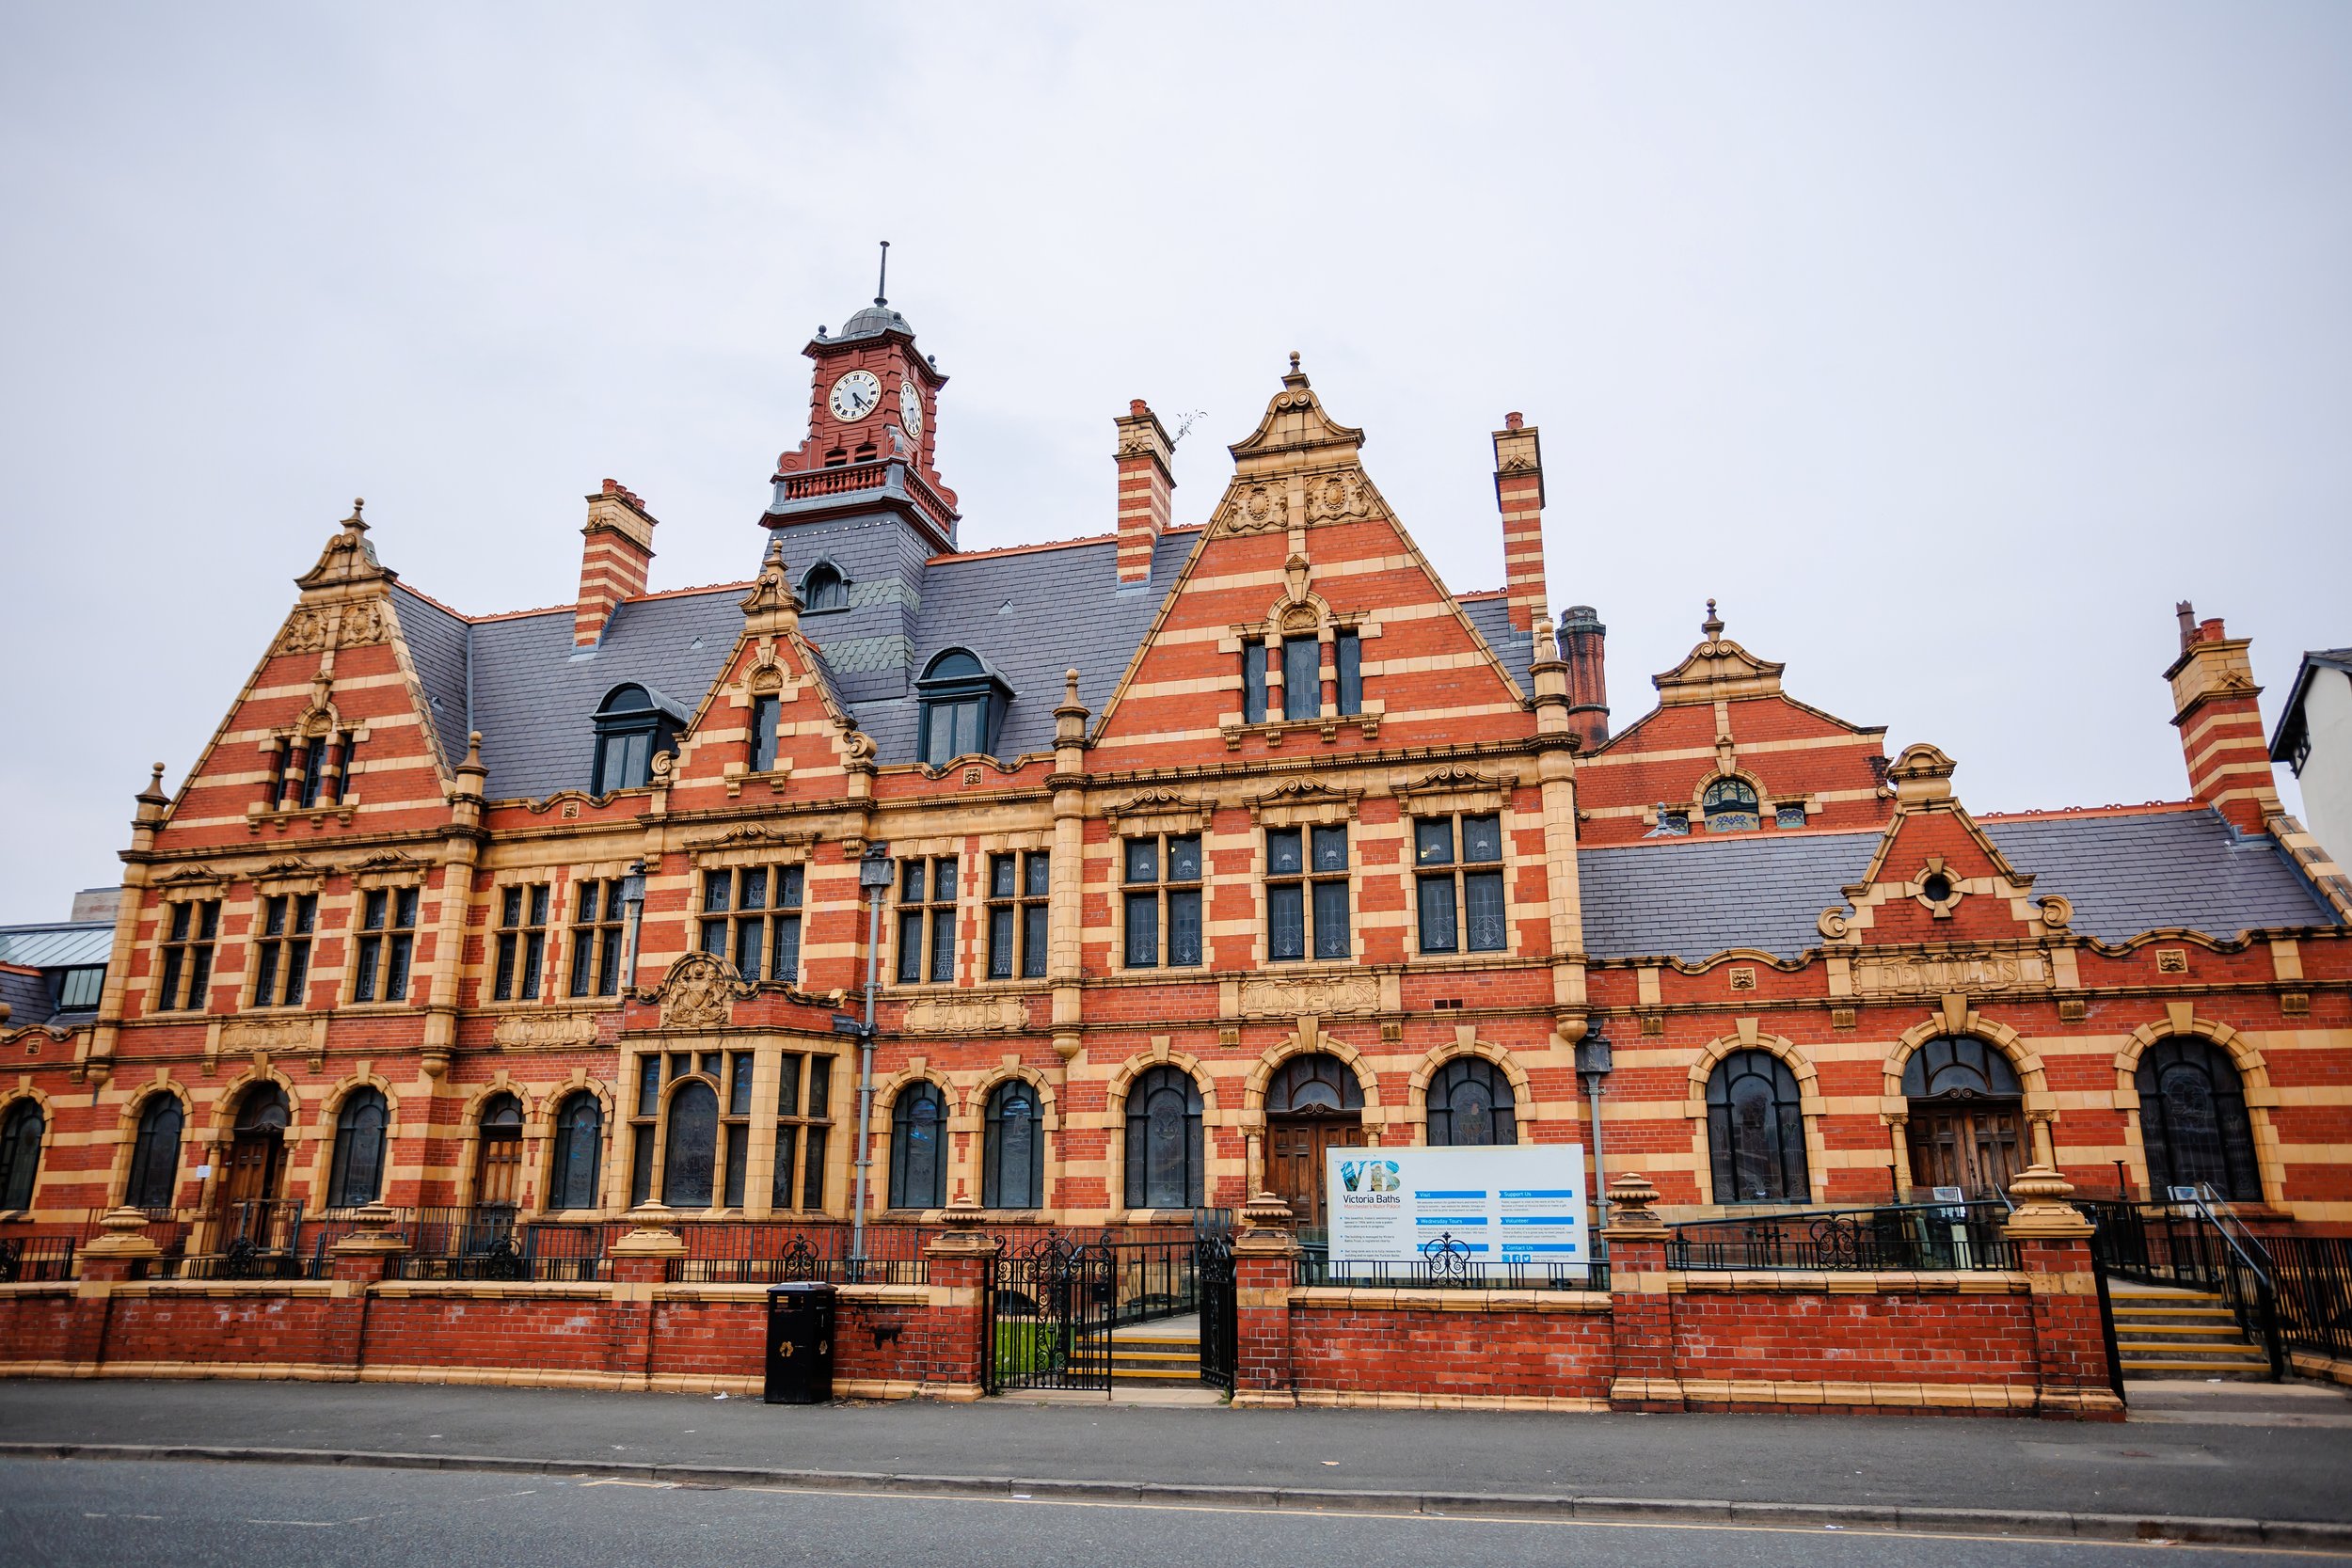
{"points": [[1313, 1105], [257, 1147], [1966, 1117], [498, 1155]]}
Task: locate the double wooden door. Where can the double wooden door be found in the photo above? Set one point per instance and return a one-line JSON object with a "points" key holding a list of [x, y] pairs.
{"points": [[499, 1170], [1976, 1147], [1294, 1150], [257, 1160]]}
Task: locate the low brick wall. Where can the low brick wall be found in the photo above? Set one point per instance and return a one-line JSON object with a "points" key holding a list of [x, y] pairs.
{"points": [[687, 1338], [1518, 1349]]}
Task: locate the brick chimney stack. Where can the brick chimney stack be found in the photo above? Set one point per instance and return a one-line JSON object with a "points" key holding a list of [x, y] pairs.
{"points": [[1583, 648], [1519, 495], [614, 561], [1146, 490], [2214, 707]]}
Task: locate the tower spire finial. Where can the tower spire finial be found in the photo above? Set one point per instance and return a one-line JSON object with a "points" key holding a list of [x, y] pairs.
{"points": [[882, 279]]}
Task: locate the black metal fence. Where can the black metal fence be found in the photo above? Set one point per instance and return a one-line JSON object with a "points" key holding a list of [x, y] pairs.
{"points": [[2312, 1276], [1447, 1263], [36, 1259], [758, 1254], [2188, 1245], [1050, 1308], [1907, 1236]]}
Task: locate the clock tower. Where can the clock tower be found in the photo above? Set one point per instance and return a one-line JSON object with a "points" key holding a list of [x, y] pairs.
{"points": [[871, 431]]}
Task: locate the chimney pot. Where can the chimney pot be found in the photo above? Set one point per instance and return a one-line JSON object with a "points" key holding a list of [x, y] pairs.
{"points": [[1147, 489], [615, 557], [1520, 497], [1583, 648]]}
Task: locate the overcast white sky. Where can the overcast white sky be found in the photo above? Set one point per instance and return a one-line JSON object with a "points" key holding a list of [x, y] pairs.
{"points": [[1948, 346]]}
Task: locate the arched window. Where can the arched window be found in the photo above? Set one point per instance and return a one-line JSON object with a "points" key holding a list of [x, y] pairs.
{"points": [[1955, 1067], [631, 728], [1470, 1103], [1756, 1130], [19, 1153], [824, 588], [262, 1110], [1316, 1082], [2193, 1121], [357, 1176], [1012, 1172], [579, 1149], [691, 1156], [1164, 1163], [155, 1155], [499, 1153], [963, 704], [1730, 806], [919, 1148]]}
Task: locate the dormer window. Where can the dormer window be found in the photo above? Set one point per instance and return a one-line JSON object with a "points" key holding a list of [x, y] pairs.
{"points": [[1730, 806], [824, 588], [963, 707], [631, 728]]}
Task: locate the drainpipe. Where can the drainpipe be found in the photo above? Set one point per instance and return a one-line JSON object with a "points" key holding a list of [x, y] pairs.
{"points": [[1593, 1063], [873, 880]]}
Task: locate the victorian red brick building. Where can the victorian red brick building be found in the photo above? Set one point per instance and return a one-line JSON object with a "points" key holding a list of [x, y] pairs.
{"points": [[1204, 844]]}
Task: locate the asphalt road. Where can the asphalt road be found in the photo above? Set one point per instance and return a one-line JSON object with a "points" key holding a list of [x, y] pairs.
{"points": [[162, 1514], [2271, 1470]]}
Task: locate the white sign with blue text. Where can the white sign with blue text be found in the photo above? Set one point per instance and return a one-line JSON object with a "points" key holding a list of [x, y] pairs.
{"points": [[1502, 1206]]}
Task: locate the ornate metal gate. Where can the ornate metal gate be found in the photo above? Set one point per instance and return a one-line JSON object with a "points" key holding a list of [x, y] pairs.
{"points": [[1220, 1308], [1050, 1306]]}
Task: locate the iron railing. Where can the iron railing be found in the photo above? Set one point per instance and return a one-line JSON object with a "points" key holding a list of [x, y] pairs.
{"points": [[36, 1259], [1902, 1236], [1446, 1264], [2184, 1243], [2311, 1277]]}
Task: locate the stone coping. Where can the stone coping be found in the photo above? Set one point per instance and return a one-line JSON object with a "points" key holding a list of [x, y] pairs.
{"points": [[1857, 1282], [1406, 1298]]}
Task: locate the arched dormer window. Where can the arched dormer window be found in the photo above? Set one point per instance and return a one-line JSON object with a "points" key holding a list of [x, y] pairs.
{"points": [[1730, 806], [963, 707], [824, 588], [630, 727]]}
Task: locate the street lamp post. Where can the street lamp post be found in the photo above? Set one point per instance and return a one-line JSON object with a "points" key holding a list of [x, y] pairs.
{"points": [[1593, 1063], [873, 880]]}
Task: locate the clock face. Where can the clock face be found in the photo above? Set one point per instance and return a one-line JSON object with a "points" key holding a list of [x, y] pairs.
{"points": [[855, 395], [910, 410]]}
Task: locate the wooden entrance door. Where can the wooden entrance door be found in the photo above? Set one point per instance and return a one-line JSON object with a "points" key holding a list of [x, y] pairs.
{"points": [[1975, 1148], [256, 1162], [1295, 1148], [499, 1169]]}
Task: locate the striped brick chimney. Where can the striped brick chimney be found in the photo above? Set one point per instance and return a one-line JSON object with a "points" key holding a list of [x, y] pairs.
{"points": [[1583, 648], [2214, 707], [1146, 490], [614, 561], [1519, 495]]}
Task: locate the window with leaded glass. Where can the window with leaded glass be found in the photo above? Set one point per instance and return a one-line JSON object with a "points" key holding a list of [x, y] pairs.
{"points": [[1470, 1103], [1162, 900], [2193, 1120], [690, 1156], [1164, 1140], [1347, 658], [1756, 1130], [1730, 806], [522, 942], [803, 1118], [1302, 677], [927, 920], [21, 1132], [645, 1114], [1459, 883], [357, 1177], [1672, 823], [766, 711], [1253, 658], [751, 916], [155, 1156], [388, 940], [1012, 1149], [281, 953], [598, 916], [918, 1148], [1789, 817], [576, 1163], [190, 930], [1020, 886], [1306, 897]]}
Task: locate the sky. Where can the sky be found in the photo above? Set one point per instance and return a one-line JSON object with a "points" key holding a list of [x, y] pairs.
{"points": [[1946, 346]]}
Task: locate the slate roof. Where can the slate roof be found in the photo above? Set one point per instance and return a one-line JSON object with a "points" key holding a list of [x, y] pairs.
{"points": [[1692, 897], [57, 943], [26, 997], [1491, 616]]}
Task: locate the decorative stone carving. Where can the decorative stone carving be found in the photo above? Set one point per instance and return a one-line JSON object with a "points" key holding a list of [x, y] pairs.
{"points": [[1320, 996], [305, 633], [363, 624], [1946, 974], [965, 1014], [1258, 510], [545, 1031], [1342, 495], [313, 628], [277, 1036], [699, 992]]}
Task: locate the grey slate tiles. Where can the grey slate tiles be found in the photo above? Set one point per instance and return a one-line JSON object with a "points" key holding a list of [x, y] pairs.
{"points": [[1692, 897]]}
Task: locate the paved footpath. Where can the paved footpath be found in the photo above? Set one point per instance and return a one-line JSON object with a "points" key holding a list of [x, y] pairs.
{"points": [[2242, 1452]]}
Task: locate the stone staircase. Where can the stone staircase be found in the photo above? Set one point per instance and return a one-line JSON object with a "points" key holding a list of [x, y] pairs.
{"points": [[1164, 1354], [2166, 1332]]}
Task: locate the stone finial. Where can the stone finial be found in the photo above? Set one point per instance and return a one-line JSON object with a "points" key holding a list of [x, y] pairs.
{"points": [[653, 1236], [1631, 1199], [771, 594], [1713, 624], [2040, 1192], [152, 801], [1267, 1212], [1070, 685], [375, 1232], [123, 1235], [356, 522]]}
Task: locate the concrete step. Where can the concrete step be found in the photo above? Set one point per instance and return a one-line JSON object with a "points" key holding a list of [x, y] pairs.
{"points": [[2162, 1351], [2187, 1334], [2233, 1371]]}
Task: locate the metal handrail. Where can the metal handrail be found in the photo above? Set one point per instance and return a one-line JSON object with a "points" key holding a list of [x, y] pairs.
{"points": [[2231, 1227]]}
